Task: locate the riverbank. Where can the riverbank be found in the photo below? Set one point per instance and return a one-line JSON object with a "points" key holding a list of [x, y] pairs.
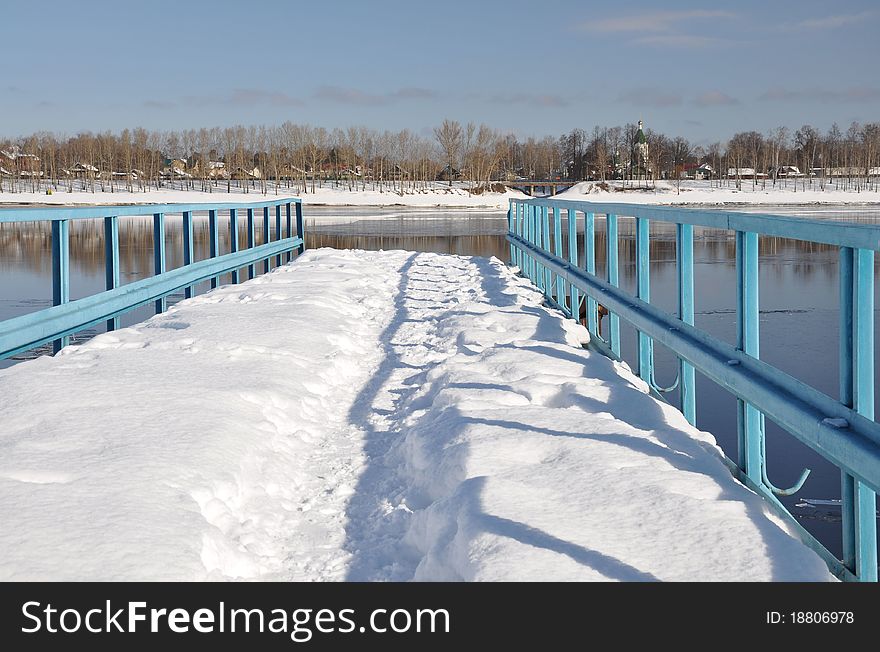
{"points": [[436, 196], [704, 193], [439, 195]]}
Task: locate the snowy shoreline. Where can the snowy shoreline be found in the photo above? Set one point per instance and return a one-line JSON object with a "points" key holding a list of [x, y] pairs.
{"points": [[457, 197]]}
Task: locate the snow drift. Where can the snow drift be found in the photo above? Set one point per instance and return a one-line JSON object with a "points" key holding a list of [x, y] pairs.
{"points": [[365, 416]]}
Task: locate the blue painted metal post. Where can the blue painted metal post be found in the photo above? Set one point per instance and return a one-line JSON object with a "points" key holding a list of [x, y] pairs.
{"points": [[749, 419], [859, 503], [233, 239], [643, 292], [188, 249], [535, 239], [60, 271], [214, 242], [557, 250], [613, 319], [267, 237], [517, 229], [590, 262], [528, 222], [159, 254], [510, 229], [251, 240], [111, 261], [573, 297], [684, 247], [289, 230], [278, 232], [545, 242], [537, 230], [299, 227]]}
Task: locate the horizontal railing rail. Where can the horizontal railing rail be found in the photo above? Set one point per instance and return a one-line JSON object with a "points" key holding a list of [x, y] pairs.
{"points": [[841, 430], [67, 317]]}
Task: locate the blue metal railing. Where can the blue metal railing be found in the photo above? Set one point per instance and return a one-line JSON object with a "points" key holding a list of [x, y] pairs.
{"points": [[66, 317], [841, 430]]}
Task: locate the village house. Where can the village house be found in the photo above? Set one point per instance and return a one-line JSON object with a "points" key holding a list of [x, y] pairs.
{"points": [[13, 162], [244, 174], [744, 173], [449, 173], [81, 171], [786, 171]]}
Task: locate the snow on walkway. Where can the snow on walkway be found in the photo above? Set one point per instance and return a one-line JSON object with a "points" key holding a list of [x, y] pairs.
{"points": [[365, 416]]}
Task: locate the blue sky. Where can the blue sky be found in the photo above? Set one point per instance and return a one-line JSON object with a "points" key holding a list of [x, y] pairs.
{"points": [[698, 69]]}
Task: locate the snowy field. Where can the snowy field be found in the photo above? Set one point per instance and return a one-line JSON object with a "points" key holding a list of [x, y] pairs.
{"points": [[703, 192], [365, 416], [440, 195]]}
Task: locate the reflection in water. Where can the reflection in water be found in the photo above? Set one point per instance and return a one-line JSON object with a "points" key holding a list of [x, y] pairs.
{"points": [[799, 303]]}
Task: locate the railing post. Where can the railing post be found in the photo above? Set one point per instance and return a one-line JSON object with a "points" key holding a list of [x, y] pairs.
{"points": [[529, 230], [188, 249], [749, 419], [60, 271], [684, 247], [573, 298], [510, 229], [537, 230], [214, 242], [233, 239], [643, 292], [590, 263], [267, 237], [111, 261], [557, 251], [299, 227], [520, 230], [529, 222], [289, 230], [514, 250], [159, 254], [545, 233], [858, 502], [251, 240], [613, 320], [278, 231]]}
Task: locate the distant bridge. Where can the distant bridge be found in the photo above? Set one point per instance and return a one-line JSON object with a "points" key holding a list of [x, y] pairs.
{"points": [[535, 188]]}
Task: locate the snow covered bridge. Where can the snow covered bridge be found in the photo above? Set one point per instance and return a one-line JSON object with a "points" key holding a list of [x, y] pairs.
{"points": [[364, 416]]}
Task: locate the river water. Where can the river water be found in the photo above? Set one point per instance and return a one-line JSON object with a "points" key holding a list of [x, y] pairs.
{"points": [[798, 297]]}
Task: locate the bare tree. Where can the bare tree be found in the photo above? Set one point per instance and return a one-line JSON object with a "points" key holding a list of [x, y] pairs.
{"points": [[450, 137]]}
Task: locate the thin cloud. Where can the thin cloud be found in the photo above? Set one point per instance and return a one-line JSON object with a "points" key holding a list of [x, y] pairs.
{"points": [[854, 94], [414, 93], [680, 41], [358, 97], [715, 98], [532, 99], [653, 97], [832, 22], [238, 97], [251, 96], [155, 104], [660, 21]]}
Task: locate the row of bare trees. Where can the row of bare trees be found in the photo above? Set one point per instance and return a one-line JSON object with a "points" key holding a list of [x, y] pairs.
{"points": [[303, 158], [845, 160]]}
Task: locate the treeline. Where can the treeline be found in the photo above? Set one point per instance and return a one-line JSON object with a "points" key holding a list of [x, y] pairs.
{"points": [[302, 158]]}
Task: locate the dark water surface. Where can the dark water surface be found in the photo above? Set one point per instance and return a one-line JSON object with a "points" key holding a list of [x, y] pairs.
{"points": [[798, 296]]}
